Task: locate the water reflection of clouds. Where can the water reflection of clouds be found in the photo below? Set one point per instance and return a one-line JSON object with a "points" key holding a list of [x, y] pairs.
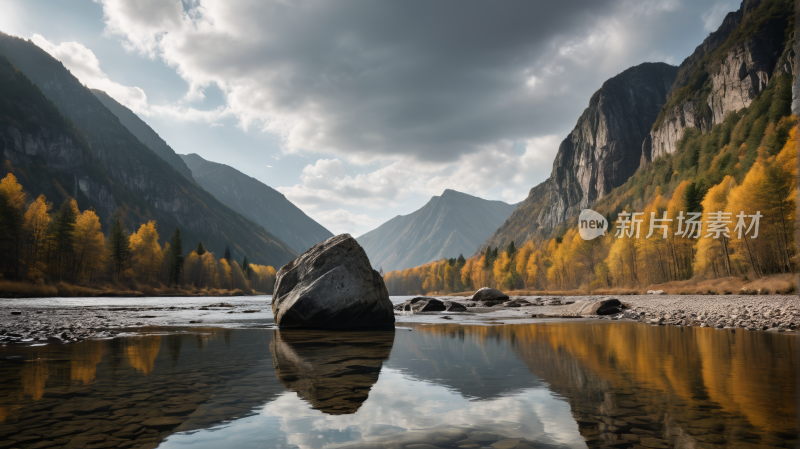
{"points": [[399, 404]]}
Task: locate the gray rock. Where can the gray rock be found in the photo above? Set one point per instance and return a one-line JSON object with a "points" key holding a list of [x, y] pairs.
{"points": [[331, 285], [608, 306], [487, 294]]}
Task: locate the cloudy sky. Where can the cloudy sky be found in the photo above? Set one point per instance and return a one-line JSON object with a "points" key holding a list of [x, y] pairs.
{"points": [[362, 110]]}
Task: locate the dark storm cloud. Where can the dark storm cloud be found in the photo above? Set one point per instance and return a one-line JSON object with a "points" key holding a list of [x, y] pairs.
{"points": [[429, 80]]}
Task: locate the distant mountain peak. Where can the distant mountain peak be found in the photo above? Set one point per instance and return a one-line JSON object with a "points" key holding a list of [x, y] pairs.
{"points": [[446, 226]]}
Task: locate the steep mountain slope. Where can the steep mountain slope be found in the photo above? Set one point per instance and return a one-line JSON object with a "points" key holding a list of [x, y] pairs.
{"points": [[448, 225], [726, 72], [143, 132], [601, 152], [46, 151], [161, 192], [258, 202]]}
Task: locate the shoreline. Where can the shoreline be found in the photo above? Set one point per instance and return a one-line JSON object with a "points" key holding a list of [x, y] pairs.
{"points": [[45, 321]]}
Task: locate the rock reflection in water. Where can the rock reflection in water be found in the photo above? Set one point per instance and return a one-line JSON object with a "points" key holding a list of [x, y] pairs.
{"points": [[331, 370]]}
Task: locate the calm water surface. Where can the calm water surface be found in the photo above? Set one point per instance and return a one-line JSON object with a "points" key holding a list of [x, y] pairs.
{"points": [[550, 384]]}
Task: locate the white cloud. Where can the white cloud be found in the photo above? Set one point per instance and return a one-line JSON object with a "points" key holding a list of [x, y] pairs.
{"points": [[712, 18], [325, 185], [85, 66], [341, 221]]}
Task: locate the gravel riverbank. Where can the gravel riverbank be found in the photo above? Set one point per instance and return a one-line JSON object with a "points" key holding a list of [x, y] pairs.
{"points": [[66, 320]]}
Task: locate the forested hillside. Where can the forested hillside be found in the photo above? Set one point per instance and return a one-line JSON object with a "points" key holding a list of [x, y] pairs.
{"points": [[147, 187], [742, 163]]}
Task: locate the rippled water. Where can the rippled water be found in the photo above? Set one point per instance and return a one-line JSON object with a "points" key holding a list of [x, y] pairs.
{"points": [[556, 384]]}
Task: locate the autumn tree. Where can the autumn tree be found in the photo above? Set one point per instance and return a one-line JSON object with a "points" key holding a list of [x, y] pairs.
{"points": [[89, 245], [146, 253], [37, 220]]}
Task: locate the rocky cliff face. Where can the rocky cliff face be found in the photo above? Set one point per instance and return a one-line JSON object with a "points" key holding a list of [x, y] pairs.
{"points": [[601, 152], [152, 189], [725, 73], [47, 154]]}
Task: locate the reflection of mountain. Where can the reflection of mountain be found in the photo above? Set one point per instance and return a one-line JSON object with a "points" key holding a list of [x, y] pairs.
{"points": [[686, 383], [452, 356], [333, 371]]}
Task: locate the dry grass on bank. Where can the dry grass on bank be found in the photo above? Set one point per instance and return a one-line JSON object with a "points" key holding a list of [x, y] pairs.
{"points": [[16, 289], [779, 284]]}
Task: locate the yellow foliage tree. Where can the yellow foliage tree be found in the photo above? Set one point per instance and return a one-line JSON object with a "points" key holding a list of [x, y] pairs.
{"points": [[88, 245], [146, 254]]}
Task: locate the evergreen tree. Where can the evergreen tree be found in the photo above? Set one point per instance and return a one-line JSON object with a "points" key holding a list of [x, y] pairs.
{"points": [[694, 197], [200, 249], [118, 245], [381, 273], [511, 249], [461, 261], [246, 268], [488, 259], [175, 257], [12, 220], [228, 254]]}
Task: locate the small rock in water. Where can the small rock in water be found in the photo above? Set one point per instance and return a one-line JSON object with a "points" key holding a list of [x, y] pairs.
{"points": [[490, 294]]}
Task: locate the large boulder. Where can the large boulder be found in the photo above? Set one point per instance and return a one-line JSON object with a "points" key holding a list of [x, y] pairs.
{"points": [[605, 306], [333, 286], [490, 295]]}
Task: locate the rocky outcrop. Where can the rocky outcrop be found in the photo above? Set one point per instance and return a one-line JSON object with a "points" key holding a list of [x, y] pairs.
{"points": [[603, 150], [736, 69], [332, 286]]}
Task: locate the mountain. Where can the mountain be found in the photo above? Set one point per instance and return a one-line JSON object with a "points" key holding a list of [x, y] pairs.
{"points": [[258, 202], [724, 74], [448, 225], [147, 187], [601, 152], [46, 152], [143, 132]]}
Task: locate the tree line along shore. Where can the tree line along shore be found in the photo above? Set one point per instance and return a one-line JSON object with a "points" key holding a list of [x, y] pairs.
{"points": [[755, 174], [64, 252]]}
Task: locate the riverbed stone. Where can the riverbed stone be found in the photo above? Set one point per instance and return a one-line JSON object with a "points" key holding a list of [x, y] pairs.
{"points": [[332, 285], [487, 294], [162, 423], [605, 306]]}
